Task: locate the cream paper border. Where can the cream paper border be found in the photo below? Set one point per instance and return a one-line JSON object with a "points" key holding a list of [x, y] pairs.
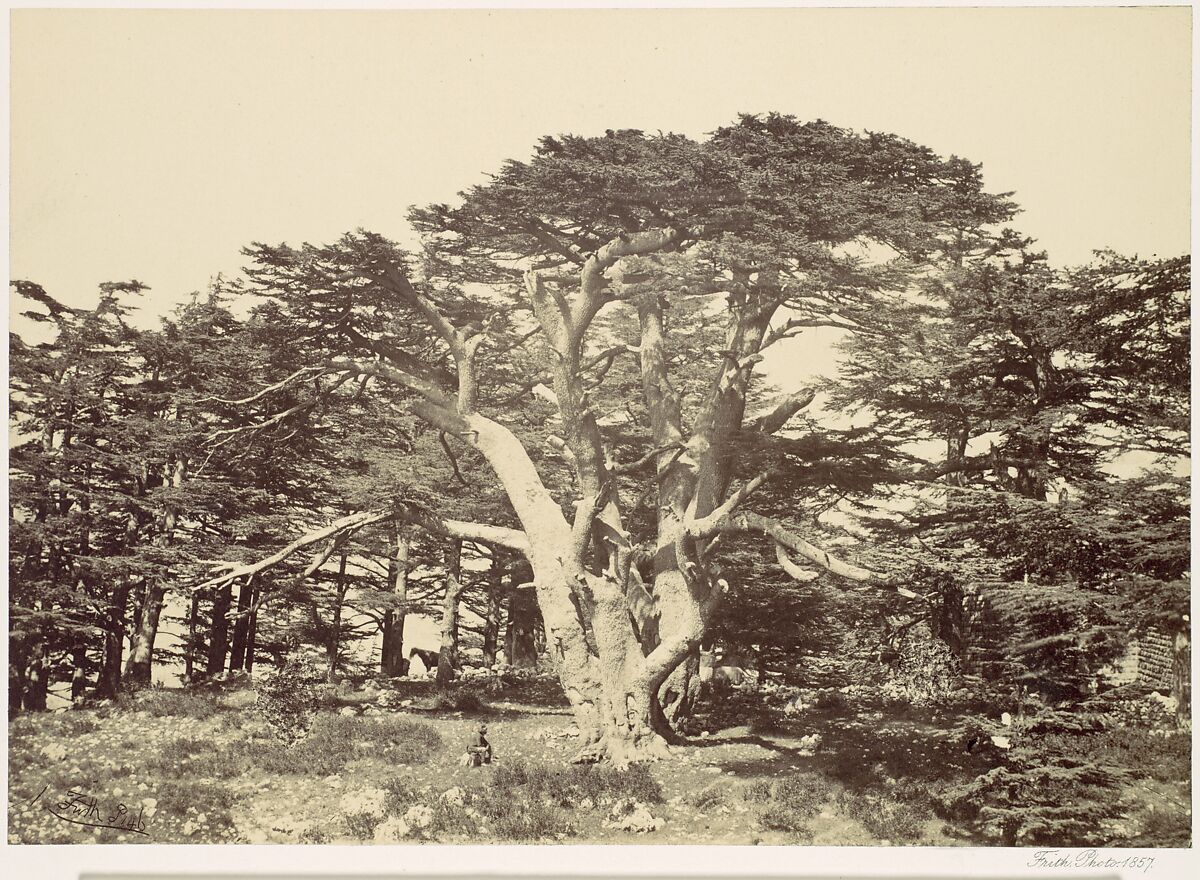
{"points": [[155, 861]]}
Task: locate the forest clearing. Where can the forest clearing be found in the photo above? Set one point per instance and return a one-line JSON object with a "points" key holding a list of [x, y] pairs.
{"points": [[194, 768]]}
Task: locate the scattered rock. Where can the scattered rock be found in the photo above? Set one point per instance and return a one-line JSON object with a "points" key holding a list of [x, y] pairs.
{"points": [[630, 815], [55, 751], [419, 816], [392, 830], [367, 800]]}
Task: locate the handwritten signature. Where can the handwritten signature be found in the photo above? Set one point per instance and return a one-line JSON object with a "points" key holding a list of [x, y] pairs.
{"points": [[80, 808], [1088, 858]]}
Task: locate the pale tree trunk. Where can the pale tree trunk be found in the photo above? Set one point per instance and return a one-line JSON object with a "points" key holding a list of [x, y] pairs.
{"points": [[448, 650], [1181, 679], [613, 639], [391, 661], [141, 655]]}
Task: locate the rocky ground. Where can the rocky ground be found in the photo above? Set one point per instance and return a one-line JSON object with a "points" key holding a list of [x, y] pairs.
{"points": [[386, 767]]}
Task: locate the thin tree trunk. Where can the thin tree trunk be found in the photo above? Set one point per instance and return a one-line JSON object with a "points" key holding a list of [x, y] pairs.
{"points": [[138, 666], [491, 621], [252, 630], [108, 684], [448, 651], [335, 634], [1181, 680], [520, 647], [241, 626], [16, 683], [392, 662], [79, 678], [218, 642], [191, 648], [141, 655], [37, 676]]}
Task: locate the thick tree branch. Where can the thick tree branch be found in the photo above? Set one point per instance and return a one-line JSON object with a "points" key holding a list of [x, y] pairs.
{"points": [[709, 525], [350, 523], [771, 422]]}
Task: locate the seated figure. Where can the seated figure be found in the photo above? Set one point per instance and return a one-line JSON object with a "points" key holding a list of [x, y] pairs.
{"points": [[480, 750]]}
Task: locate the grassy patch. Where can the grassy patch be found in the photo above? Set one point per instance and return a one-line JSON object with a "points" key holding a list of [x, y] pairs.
{"points": [[335, 740], [568, 786], [161, 703], [206, 805], [1143, 753], [190, 757], [789, 803]]}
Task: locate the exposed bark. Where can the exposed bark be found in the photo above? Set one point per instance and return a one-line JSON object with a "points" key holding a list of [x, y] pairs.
{"points": [[79, 674], [613, 639], [1181, 679], [392, 661], [138, 666], [448, 661]]}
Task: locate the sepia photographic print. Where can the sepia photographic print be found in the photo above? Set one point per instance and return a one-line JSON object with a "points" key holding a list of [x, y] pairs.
{"points": [[602, 426]]}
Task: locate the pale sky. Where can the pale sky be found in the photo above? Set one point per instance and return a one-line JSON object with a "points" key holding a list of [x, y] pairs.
{"points": [[156, 144]]}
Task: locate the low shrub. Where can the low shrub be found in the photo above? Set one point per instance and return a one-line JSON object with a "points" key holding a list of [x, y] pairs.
{"points": [[804, 795], [886, 818], [757, 792], [400, 795], [1164, 757], [461, 699], [789, 803], [288, 699], [184, 800], [1034, 800], [707, 798], [1164, 828], [161, 702], [779, 818], [362, 825]]}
